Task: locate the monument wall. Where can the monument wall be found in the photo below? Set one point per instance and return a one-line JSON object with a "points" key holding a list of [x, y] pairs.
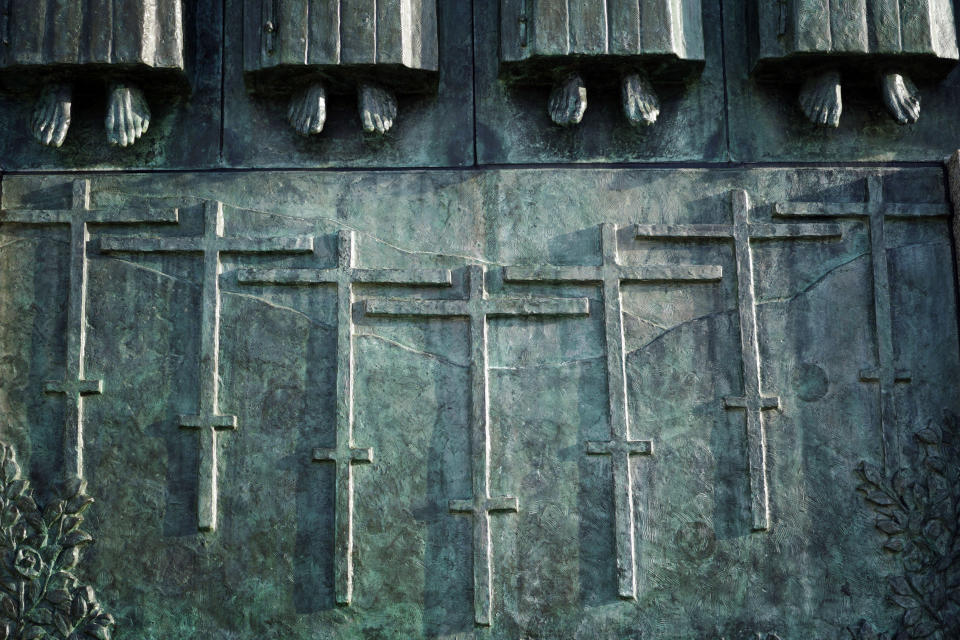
{"points": [[332, 331]]}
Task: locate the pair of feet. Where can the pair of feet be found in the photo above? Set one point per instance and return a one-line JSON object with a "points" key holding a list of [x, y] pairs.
{"points": [[821, 101], [568, 100], [307, 112], [127, 119]]}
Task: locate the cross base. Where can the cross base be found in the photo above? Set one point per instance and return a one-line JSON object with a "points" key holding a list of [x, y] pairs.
{"points": [[502, 503], [75, 387], [209, 421], [354, 454], [875, 375], [762, 403], [611, 447]]}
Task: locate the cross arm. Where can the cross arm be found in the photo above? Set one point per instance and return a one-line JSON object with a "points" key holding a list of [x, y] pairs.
{"points": [[552, 274], [389, 307], [94, 216], [857, 210], [672, 273], [286, 276], [821, 209], [110, 244], [244, 244], [39, 216], [501, 306], [411, 277], [906, 210], [773, 231], [683, 231]]}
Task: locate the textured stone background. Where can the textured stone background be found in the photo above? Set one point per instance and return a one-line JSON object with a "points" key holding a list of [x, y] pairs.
{"points": [[267, 571], [477, 175]]}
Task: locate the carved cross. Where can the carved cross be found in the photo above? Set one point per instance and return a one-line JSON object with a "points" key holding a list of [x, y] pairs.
{"points": [[753, 402], [210, 245], [75, 385], [610, 275], [479, 307], [876, 210], [345, 453]]}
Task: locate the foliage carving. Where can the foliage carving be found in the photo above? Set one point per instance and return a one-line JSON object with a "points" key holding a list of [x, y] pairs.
{"points": [[40, 596], [918, 511]]}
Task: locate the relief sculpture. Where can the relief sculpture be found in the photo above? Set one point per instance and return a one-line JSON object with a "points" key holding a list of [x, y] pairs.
{"points": [[636, 43], [58, 45], [304, 50], [823, 45]]}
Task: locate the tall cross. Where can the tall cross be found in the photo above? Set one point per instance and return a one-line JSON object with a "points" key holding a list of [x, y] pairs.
{"points": [[208, 420], [876, 210], [345, 453], [479, 307], [753, 402], [75, 385], [610, 275]]}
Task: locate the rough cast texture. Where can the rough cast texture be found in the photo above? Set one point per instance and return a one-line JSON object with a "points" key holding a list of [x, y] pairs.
{"points": [[341, 434], [587, 401]]}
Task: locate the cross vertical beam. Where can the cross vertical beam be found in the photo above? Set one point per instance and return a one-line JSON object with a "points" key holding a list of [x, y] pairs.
{"points": [[208, 420], [478, 307], [75, 386], [344, 454], [610, 275], [753, 402], [876, 210]]}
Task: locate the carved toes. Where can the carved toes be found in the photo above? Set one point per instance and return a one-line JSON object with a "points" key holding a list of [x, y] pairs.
{"points": [[641, 104], [378, 108], [128, 115], [307, 113], [820, 99], [568, 101], [901, 98], [51, 115]]}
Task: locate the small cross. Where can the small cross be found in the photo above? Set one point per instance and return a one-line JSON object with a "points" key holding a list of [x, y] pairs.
{"points": [[479, 307], [753, 402], [344, 454], [210, 245], [876, 210], [610, 274], [75, 386]]}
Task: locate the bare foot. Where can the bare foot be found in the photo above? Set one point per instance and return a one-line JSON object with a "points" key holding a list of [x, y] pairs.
{"points": [[128, 114], [307, 112], [901, 98], [568, 101], [820, 99], [378, 108], [51, 115], [640, 101]]}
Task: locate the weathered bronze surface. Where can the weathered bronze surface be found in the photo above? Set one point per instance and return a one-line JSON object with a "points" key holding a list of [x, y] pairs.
{"points": [[456, 371]]}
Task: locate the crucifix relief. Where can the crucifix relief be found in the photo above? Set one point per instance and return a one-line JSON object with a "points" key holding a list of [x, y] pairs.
{"points": [[208, 420], [345, 453], [478, 308], [610, 275], [875, 210], [753, 402], [75, 385]]}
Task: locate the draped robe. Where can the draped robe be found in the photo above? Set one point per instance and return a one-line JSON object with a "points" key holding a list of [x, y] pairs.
{"points": [[540, 37], [45, 38], [390, 42], [861, 37]]}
